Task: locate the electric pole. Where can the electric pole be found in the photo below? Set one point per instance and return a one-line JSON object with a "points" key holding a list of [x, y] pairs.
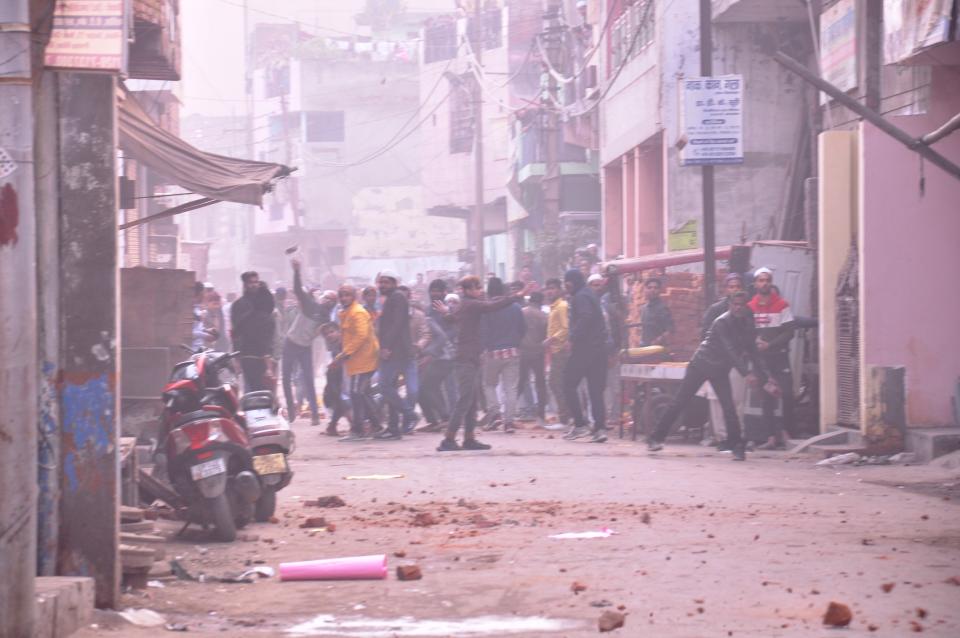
{"points": [[553, 39], [248, 114], [709, 238], [476, 225]]}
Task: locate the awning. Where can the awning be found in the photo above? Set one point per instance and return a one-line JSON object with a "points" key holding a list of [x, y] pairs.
{"points": [[216, 177]]}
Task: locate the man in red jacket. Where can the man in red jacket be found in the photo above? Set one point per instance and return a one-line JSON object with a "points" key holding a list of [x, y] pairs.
{"points": [[775, 327]]}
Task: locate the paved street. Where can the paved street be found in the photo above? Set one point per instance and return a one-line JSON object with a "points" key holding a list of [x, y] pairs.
{"points": [[703, 546]]}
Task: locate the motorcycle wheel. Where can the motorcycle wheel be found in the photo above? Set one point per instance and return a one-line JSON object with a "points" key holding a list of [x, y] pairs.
{"points": [[266, 504], [225, 529]]}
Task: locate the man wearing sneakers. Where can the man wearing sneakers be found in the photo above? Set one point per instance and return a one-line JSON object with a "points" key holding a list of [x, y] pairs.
{"points": [[588, 357], [730, 343], [396, 353], [359, 352], [467, 362]]}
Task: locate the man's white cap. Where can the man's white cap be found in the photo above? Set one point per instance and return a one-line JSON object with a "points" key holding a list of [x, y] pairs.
{"points": [[451, 298], [762, 270], [594, 277], [389, 273], [208, 285]]}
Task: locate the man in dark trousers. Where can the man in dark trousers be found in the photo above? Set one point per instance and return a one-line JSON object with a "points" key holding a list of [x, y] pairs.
{"points": [[730, 343], [251, 319], [467, 362], [533, 354], [775, 324], [588, 358], [396, 353]]}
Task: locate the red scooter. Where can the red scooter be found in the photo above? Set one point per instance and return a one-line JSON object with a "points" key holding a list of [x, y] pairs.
{"points": [[206, 452]]}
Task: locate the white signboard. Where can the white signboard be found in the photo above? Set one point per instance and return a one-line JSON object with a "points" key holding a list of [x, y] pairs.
{"points": [[712, 120], [88, 34]]}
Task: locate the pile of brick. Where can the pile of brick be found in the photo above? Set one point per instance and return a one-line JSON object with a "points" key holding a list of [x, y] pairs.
{"points": [[683, 294]]}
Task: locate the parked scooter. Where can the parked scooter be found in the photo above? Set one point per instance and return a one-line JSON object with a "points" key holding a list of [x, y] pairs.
{"points": [[272, 441], [206, 451]]}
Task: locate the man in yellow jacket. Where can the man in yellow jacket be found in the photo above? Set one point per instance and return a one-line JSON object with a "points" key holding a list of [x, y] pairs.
{"points": [[360, 354]]}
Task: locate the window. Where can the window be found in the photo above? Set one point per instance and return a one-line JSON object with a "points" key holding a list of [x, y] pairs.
{"points": [[631, 32], [440, 42], [325, 126]]}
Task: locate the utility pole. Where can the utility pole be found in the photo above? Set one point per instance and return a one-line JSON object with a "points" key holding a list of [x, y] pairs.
{"points": [[476, 229], [248, 116], [709, 232], [552, 35]]}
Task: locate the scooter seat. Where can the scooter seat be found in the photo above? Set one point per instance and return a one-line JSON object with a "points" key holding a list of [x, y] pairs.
{"points": [[259, 400], [197, 415]]}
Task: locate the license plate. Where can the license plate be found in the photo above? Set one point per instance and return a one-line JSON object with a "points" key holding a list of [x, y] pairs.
{"points": [[208, 469], [266, 464]]}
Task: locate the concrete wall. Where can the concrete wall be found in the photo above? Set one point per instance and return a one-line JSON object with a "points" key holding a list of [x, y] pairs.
{"points": [[910, 258], [645, 101], [837, 227], [448, 178], [18, 333], [749, 196]]}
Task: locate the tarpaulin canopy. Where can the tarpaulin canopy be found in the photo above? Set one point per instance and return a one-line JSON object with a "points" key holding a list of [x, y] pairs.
{"points": [[216, 177]]}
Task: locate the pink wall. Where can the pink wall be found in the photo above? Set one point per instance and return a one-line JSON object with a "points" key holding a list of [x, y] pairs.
{"points": [[910, 252]]}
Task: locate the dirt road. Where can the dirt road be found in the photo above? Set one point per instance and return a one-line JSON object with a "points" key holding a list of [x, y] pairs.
{"points": [[703, 546]]}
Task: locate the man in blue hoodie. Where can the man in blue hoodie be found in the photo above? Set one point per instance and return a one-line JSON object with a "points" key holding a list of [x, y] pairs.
{"points": [[501, 332], [588, 357]]}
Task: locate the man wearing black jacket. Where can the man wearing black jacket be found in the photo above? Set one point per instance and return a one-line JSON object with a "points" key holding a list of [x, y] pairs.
{"points": [[251, 318], [730, 343], [396, 352], [588, 357]]}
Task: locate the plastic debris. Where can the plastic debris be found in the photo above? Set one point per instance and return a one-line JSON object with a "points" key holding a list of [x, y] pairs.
{"points": [[841, 459], [142, 617], [374, 477], [606, 532]]}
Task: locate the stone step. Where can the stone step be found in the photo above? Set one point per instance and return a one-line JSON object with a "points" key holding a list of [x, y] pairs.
{"points": [[929, 443], [64, 605]]}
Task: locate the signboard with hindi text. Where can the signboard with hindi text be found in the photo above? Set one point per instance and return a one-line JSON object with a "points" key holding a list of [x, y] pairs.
{"points": [[712, 120], [88, 35]]}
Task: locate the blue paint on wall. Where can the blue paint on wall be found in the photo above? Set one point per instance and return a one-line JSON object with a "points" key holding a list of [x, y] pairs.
{"points": [[88, 421]]}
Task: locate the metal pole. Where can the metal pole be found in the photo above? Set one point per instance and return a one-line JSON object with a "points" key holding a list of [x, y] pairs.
{"points": [[868, 114], [709, 231], [18, 330], [551, 142], [476, 236]]}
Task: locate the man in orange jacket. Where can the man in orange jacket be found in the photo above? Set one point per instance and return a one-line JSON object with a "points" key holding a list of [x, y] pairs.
{"points": [[359, 354]]}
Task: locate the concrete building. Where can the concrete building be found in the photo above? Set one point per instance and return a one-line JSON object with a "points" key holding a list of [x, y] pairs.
{"points": [[887, 237], [653, 204], [345, 111]]}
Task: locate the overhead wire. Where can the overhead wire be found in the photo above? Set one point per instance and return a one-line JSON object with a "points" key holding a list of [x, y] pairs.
{"points": [[586, 58]]}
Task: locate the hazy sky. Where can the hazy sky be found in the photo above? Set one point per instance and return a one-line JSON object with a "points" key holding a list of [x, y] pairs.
{"points": [[212, 39]]}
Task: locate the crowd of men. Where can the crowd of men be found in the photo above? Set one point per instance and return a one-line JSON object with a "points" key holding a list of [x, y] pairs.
{"points": [[456, 350]]}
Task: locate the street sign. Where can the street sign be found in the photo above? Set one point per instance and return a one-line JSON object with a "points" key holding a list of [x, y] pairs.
{"points": [[88, 35], [712, 120]]}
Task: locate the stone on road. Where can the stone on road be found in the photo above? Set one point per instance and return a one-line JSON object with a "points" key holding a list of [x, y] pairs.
{"points": [[704, 547]]}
